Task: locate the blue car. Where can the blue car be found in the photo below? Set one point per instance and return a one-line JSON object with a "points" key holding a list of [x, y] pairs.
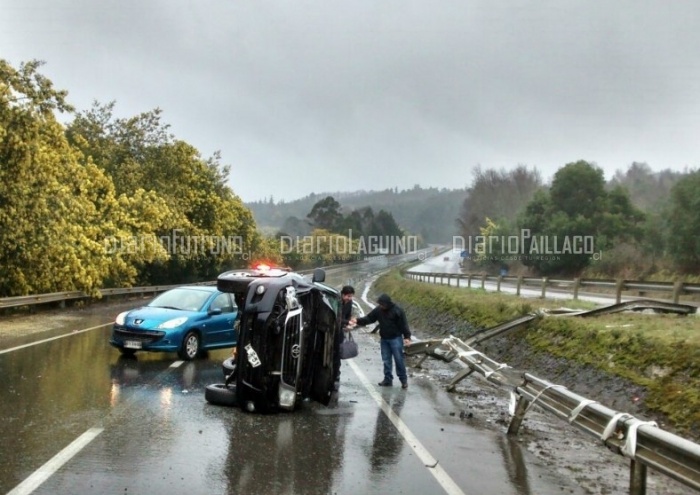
{"points": [[187, 320]]}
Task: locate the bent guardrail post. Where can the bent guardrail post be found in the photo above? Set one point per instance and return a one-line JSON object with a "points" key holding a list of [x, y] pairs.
{"points": [[458, 378], [452, 348], [521, 407], [427, 347]]}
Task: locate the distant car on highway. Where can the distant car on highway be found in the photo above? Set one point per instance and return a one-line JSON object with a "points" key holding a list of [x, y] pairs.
{"points": [[187, 320]]}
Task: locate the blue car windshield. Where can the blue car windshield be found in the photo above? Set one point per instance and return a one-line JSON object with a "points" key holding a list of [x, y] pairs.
{"points": [[183, 299]]}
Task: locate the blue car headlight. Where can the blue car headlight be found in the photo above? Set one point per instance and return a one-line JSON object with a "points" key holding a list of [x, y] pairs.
{"points": [[175, 322], [119, 320]]}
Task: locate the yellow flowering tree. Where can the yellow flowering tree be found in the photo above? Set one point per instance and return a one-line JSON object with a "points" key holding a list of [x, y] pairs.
{"points": [[56, 208]]}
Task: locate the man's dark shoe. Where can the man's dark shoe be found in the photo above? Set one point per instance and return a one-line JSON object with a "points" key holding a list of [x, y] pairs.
{"points": [[404, 385], [384, 383]]}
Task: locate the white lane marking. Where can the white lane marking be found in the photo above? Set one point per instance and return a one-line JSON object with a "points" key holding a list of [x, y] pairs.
{"points": [[434, 468], [55, 463], [176, 364], [54, 338]]}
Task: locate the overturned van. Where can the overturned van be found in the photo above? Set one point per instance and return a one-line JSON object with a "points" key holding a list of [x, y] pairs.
{"points": [[287, 332]]}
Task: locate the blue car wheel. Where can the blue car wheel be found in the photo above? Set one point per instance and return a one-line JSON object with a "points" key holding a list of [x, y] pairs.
{"points": [[190, 346]]}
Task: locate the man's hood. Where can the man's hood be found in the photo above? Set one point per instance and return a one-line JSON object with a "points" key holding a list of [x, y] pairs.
{"points": [[385, 300]]}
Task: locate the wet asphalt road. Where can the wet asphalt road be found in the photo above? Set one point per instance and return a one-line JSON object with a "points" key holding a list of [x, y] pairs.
{"points": [[155, 434], [79, 418]]}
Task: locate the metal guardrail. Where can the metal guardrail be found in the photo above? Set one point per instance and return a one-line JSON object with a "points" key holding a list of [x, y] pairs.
{"points": [[676, 289], [13, 302], [646, 445], [62, 297]]}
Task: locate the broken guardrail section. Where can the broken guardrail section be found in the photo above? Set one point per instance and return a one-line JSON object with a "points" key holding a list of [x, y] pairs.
{"points": [[646, 445]]}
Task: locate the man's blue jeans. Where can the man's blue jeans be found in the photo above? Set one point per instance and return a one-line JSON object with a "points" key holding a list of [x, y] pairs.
{"points": [[393, 348]]}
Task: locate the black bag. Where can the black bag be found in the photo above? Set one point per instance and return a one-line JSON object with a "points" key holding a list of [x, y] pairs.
{"points": [[348, 347]]}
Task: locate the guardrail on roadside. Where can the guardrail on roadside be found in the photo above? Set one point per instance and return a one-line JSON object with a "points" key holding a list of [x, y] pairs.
{"points": [[676, 289], [646, 445], [62, 297]]}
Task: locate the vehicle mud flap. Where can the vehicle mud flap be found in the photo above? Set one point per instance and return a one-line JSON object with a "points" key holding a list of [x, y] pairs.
{"points": [[221, 395]]}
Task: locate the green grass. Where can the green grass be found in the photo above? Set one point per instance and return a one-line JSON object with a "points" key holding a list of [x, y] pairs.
{"points": [[658, 352]]}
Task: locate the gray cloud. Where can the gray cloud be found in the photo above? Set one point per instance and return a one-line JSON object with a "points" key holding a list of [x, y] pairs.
{"points": [[305, 96]]}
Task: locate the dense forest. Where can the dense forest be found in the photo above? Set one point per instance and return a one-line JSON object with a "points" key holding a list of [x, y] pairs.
{"points": [[426, 212], [101, 201], [641, 224]]}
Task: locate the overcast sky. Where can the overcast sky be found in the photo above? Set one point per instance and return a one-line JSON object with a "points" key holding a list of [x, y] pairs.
{"points": [[317, 96]]}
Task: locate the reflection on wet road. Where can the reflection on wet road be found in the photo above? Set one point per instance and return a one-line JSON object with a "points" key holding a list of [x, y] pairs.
{"points": [[160, 436]]}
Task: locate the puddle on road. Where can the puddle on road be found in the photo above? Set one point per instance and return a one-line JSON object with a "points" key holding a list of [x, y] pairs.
{"points": [[54, 320]]}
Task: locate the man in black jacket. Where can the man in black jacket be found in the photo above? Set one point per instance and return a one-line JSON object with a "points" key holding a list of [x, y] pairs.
{"points": [[346, 295], [394, 334]]}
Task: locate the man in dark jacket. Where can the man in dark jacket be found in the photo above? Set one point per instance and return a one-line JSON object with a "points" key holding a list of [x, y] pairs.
{"points": [[394, 334], [346, 295]]}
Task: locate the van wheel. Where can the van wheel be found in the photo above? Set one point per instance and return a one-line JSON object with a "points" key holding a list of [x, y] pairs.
{"points": [[221, 395]]}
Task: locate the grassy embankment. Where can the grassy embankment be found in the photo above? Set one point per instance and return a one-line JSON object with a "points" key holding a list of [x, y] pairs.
{"points": [[659, 352]]}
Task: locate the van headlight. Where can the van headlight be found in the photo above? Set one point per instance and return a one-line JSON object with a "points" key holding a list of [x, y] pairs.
{"points": [[287, 396]]}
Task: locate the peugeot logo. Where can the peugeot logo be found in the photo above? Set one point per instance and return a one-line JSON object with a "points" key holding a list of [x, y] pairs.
{"points": [[296, 350]]}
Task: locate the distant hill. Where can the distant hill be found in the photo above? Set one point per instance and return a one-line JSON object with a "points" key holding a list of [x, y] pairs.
{"points": [[430, 213]]}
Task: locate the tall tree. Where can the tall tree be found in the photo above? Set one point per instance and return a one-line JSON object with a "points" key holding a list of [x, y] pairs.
{"points": [[499, 195], [576, 206], [385, 225], [684, 223], [578, 189], [648, 190], [326, 214]]}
